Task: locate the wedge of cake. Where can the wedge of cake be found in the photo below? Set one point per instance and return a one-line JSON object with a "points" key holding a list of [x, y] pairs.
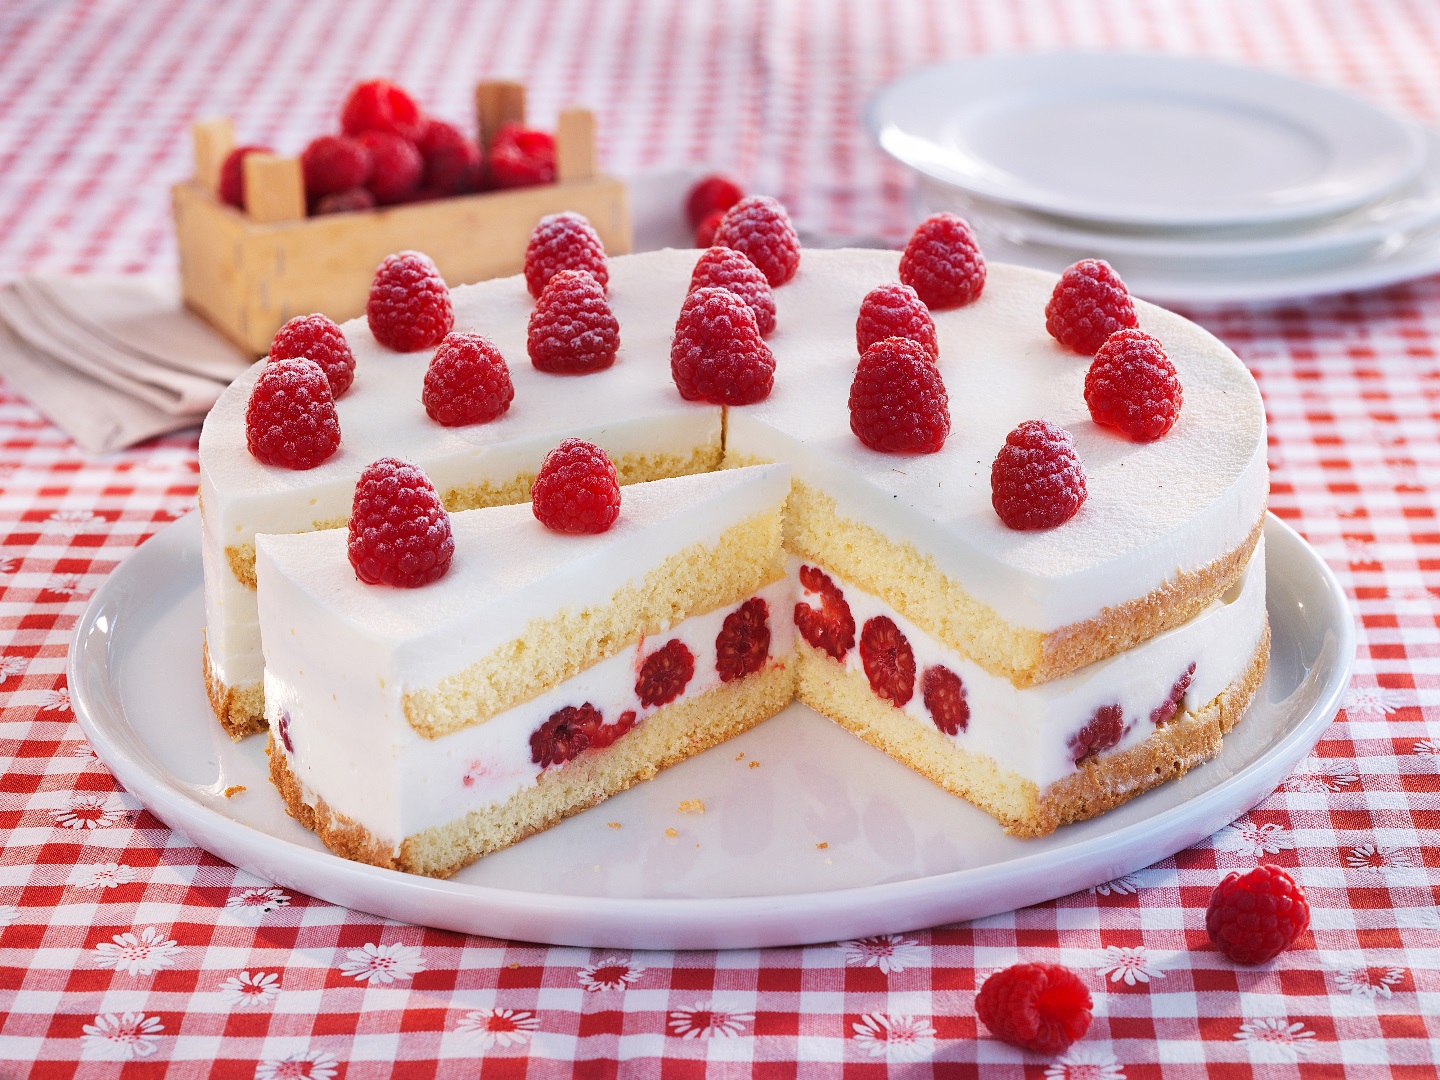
{"points": [[421, 728]]}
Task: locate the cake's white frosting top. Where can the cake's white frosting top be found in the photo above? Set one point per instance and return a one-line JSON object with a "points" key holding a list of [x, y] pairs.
{"points": [[507, 570]]}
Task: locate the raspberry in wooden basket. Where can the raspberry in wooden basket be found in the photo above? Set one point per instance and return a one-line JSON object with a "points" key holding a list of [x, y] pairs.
{"points": [[942, 263], [717, 354], [759, 228], [467, 382], [577, 490], [572, 330], [317, 338], [399, 531], [1036, 480], [1132, 386], [453, 164], [521, 157], [1039, 1007], [344, 202], [895, 310], [396, 166], [710, 195], [898, 401], [726, 268], [231, 188], [380, 105], [1088, 304], [564, 241], [1255, 916], [409, 306], [334, 163], [290, 419]]}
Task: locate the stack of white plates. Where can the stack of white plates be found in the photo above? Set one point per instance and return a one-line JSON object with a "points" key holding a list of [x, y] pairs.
{"points": [[1198, 181]]}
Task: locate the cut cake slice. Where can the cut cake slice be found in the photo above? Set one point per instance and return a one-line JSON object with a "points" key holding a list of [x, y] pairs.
{"points": [[422, 728]]}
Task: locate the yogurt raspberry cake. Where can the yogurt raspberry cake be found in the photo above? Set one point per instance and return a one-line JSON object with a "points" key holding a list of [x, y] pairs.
{"points": [[1045, 644]]}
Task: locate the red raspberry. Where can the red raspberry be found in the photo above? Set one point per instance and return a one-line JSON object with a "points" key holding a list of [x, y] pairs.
{"points": [[944, 697], [520, 157], [577, 490], [1163, 713], [1254, 917], [317, 338], [396, 167], [566, 735], [344, 202], [563, 242], [453, 165], [1132, 386], [943, 264], [284, 729], [1089, 303], [706, 230], [380, 105], [607, 734], [1036, 481], [665, 674], [898, 401], [409, 306], [712, 194], [726, 268], [290, 419], [895, 311], [399, 532], [888, 660], [334, 163], [743, 644], [830, 627], [467, 382], [1040, 1007], [759, 228], [572, 330], [717, 354], [232, 174], [1103, 730]]}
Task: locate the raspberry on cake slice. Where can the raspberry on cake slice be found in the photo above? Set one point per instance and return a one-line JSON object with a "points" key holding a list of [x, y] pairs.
{"points": [[565, 241], [759, 228], [942, 262], [409, 306], [717, 354], [1088, 304], [572, 330], [544, 672]]}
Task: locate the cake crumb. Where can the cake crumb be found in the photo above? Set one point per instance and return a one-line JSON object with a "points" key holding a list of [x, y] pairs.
{"points": [[671, 833], [515, 965], [740, 755], [614, 824], [823, 844], [754, 764], [233, 790], [691, 806]]}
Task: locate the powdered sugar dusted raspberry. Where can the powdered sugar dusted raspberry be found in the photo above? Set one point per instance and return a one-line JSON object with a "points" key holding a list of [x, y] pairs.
{"points": [[830, 627], [521, 157], [409, 306], [1132, 386], [565, 241], [895, 310], [888, 659], [1036, 480], [317, 338], [759, 227], [944, 697], [399, 531], [1040, 1007], [1088, 304], [664, 674], [717, 354], [710, 195], [572, 330], [577, 490], [726, 268], [396, 167], [333, 163], [380, 105], [942, 262], [1103, 730], [290, 419], [467, 382], [231, 188], [743, 644], [898, 401]]}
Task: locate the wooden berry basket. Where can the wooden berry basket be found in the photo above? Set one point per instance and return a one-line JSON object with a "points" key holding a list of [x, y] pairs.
{"points": [[249, 272]]}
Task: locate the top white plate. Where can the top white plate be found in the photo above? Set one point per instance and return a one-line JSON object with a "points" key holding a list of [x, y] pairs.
{"points": [[1144, 141]]}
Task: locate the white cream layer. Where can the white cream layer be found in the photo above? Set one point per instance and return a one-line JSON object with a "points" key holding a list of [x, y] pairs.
{"points": [[1028, 731], [353, 748]]}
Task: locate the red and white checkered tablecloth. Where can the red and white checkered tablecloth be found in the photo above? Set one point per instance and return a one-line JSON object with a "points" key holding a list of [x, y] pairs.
{"points": [[122, 942]]}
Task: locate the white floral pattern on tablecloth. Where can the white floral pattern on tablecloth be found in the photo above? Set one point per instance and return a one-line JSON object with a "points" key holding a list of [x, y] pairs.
{"points": [[894, 1037]]}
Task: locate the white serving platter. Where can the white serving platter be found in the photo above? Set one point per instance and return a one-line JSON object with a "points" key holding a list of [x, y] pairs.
{"points": [[1143, 140], [823, 839]]}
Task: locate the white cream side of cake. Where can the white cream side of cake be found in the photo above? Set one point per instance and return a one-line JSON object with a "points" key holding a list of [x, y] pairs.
{"points": [[631, 408], [341, 655], [1153, 509], [1028, 731]]}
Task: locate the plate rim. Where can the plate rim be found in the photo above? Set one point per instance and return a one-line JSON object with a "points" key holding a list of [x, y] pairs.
{"points": [[1407, 130], [688, 922]]}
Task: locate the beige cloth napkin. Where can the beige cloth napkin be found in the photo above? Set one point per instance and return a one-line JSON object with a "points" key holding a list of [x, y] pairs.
{"points": [[112, 360]]}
